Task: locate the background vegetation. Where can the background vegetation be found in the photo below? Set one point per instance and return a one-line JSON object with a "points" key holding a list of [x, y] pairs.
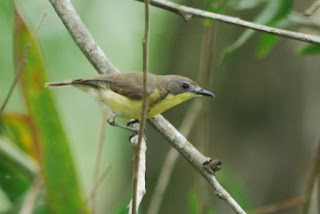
{"points": [[263, 123]]}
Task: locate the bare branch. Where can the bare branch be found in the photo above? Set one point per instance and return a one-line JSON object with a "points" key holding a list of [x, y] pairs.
{"points": [[313, 8], [143, 112], [171, 158], [23, 62], [189, 12], [95, 187], [314, 172], [140, 174], [99, 151], [72, 22], [194, 157], [276, 207]]}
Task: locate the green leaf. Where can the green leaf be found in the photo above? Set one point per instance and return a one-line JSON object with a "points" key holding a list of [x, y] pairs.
{"points": [[310, 49], [268, 41], [273, 12], [57, 167]]}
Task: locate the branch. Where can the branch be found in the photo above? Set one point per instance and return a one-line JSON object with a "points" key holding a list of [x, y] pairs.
{"points": [[140, 174], [276, 207], [188, 13], [171, 158], [204, 165], [23, 62], [144, 107], [69, 17], [98, 158], [314, 172]]}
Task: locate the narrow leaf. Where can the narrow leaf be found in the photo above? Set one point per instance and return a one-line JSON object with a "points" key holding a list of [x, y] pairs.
{"points": [[273, 12], [61, 182], [309, 50]]}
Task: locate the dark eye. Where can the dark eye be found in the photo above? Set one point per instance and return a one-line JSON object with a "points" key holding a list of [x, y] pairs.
{"points": [[185, 85]]}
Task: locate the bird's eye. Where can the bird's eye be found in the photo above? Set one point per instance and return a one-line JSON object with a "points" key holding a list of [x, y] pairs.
{"points": [[185, 85]]}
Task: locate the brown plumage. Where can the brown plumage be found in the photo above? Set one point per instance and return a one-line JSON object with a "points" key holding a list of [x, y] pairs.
{"points": [[122, 93]]}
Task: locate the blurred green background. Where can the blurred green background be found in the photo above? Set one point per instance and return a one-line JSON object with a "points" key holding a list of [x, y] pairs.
{"points": [[263, 123]]}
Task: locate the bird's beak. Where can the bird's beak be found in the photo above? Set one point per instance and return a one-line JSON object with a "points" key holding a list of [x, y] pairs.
{"points": [[201, 91]]}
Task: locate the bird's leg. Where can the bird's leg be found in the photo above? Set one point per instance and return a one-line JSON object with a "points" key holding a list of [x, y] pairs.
{"points": [[112, 121]]}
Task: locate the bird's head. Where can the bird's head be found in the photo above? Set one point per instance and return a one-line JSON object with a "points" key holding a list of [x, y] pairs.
{"points": [[183, 85]]}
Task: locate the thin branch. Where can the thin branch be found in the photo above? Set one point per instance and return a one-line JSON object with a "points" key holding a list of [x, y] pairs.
{"points": [[171, 158], [197, 160], [23, 62], [203, 127], [276, 207], [82, 36], [143, 111], [314, 172], [95, 187], [194, 157], [313, 8], [140, 175], [301, 21], [99, 151], [188, 13]]}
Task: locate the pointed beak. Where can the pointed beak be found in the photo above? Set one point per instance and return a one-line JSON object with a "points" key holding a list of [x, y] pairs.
{"points": [[203, 92]]}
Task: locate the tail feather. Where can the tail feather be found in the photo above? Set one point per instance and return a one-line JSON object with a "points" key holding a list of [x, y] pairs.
{"points": [[59, 84]]}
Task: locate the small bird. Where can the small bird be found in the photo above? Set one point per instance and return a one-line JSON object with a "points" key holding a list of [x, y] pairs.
{"points": [[121, 93]]}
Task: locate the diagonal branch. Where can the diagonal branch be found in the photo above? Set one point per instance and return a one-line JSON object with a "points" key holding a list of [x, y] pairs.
{"points": [[194, 157], [84, 40], [188, 13]]}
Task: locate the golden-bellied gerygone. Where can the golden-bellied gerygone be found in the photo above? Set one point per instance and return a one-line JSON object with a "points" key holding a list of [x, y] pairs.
{"points": [[121, 93]]}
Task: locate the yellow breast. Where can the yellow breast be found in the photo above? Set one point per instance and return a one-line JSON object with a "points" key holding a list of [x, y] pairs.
{"points": [[131, 109]]}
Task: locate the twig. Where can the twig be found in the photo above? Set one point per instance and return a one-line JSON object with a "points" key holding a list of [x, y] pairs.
{"points": [[302, 21], [134, 209], [314, 172], [31, 196], [141, 173], [99, 151], [313, 8], [203, 128], [95, 187], [171, 159], [23, 62], [194, 157], [82, 36], [290, 203], [72, 19], [188, 12], [13, 155]]}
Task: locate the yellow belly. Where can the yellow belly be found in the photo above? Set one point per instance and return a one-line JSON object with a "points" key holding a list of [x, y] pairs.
{"points": [[131, 109]]}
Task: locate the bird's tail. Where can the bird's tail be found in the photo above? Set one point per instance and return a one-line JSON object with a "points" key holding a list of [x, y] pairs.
{"points": [[59, 84]]}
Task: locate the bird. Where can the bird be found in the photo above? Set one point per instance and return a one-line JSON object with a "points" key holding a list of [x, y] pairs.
{"points": [[121, 94]]}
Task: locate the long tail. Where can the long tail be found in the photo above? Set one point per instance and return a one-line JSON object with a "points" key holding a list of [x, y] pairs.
{"points": [[78, 82], [59, 84]]}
